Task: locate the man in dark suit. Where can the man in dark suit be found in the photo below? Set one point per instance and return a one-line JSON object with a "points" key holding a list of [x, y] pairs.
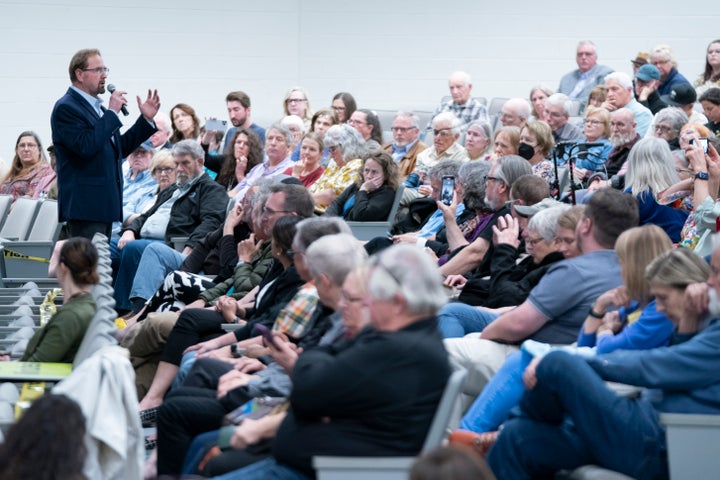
{"points": [[90, 148]]}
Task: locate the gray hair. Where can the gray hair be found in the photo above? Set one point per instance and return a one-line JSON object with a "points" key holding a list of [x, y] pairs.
{"points": [[484, 127], [189, 147], [284, 130], [348, 139], [474, 187], [650, 167], [620, 77], [311, 229], [673, 115], [511, 167], [520, 107], [414, 119], [448, 168], [463, 75], [665, 52], [466, 168], [679, 154], [545, 222], [335, 256], [164, 119], [293, 120], [407, 270], [450, 118], [560, 100], [587, 42]]}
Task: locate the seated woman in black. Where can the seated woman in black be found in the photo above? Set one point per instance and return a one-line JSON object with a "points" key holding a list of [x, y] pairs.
{"points": [[371, 196]]}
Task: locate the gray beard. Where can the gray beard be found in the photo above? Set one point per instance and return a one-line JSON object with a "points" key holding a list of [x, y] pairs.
{"points": [[618, 140]]}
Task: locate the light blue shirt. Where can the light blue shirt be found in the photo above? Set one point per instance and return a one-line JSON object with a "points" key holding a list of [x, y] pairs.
{"points": [[94, 102], [435, 222]]}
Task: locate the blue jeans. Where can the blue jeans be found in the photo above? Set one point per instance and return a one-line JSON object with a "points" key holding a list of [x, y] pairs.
{"points": [[267, 469], [188, 360], [458, 319], [127, 261], [157, 261], [500, 395], [571, 419], [199, 447]]}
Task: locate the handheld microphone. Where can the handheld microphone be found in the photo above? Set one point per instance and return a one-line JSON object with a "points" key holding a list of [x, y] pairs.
{"points": [[111, 88]]}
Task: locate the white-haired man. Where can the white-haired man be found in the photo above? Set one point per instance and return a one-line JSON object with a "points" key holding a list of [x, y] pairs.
{"points": [[446, 129], [460, 103], [515, 112], [557, 114], [620, 95]]}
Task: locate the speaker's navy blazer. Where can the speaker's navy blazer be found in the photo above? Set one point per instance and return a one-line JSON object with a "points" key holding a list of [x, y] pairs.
{"points": [[89, 170]]}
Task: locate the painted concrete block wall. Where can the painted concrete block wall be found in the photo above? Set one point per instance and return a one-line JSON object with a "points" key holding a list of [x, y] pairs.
{"points": [[389, 54]]}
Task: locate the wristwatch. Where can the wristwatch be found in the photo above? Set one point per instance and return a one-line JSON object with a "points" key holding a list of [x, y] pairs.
{"points": [[235, 352], [701, 176]]}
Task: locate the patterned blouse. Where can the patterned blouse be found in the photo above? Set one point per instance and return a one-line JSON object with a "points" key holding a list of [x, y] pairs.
{"points": [[32, 184], [336, 178]]}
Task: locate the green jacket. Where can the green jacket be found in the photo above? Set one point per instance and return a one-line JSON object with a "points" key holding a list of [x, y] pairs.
{"points": [[246, 276]]}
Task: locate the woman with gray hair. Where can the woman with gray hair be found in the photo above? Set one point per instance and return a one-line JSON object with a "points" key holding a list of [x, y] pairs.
{"points": [[651, 170], [347, 151], [667, 125], [478, 140]]}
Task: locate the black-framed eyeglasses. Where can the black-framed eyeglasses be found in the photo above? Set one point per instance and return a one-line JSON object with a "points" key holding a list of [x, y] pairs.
{"points": [[443, 132], [160, 170], [296, 100], [402, 129], [489, 178]]}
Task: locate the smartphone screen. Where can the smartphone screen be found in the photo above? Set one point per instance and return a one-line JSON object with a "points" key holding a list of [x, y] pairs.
{"points": [[704, 144], [446, 192], [215, 125]]}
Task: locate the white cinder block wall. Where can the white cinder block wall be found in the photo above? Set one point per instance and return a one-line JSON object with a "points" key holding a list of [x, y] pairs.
{"points": [[388, 54]]}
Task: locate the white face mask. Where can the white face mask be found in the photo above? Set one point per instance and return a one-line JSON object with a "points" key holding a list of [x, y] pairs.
{"points": [[714, 303]]}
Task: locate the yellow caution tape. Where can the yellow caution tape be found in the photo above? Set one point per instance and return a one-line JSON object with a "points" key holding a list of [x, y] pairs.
{"points": [[13, 254]]}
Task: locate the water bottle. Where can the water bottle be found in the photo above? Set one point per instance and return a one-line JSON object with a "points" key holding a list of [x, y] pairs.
{"points": [[47, 307]]}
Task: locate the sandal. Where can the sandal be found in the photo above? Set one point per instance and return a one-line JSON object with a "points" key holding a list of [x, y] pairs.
{"points": [[148, 417], [480, 443]]}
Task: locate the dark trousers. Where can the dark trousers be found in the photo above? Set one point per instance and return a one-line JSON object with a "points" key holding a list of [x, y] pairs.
{"points": [[83, 228], [191, 410], [571, 419], [193, 325]]}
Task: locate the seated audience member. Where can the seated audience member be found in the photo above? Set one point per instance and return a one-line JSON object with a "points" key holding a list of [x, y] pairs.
{"points": [[663, 58], [538, 95], [162, 170], [192, 208], [347, 149], [478, 140], [30, 173], [278, 140], [47, 442], [138, 186], [502, 174], [296, 103], [510, 281], [159, 140], [596, 130], [373, 193], [243, 153], [684, 97], [406, 144], [343, 104], [321, 122], [404, 294], [640, 59], [506, 141], [367, 123], [565, 237], [646, 83], [570, 408], [59, 340], [536, 144], [667, 124], [279, 285], [297, 127], [710, 78], [710, 101], [217, 253], [620, 95], [515, 112], [597, 97], [450, 462], [557, 114], [557, 306], [465, 108], [623, 137], [704, 182], [577, 84], [650, 171], [185, 123], [307, 168], [446, 146], [633, 323], [328, 261]]}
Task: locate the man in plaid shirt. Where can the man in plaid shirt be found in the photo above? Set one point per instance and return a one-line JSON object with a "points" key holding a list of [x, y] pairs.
{"points": [[460, 104]]}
